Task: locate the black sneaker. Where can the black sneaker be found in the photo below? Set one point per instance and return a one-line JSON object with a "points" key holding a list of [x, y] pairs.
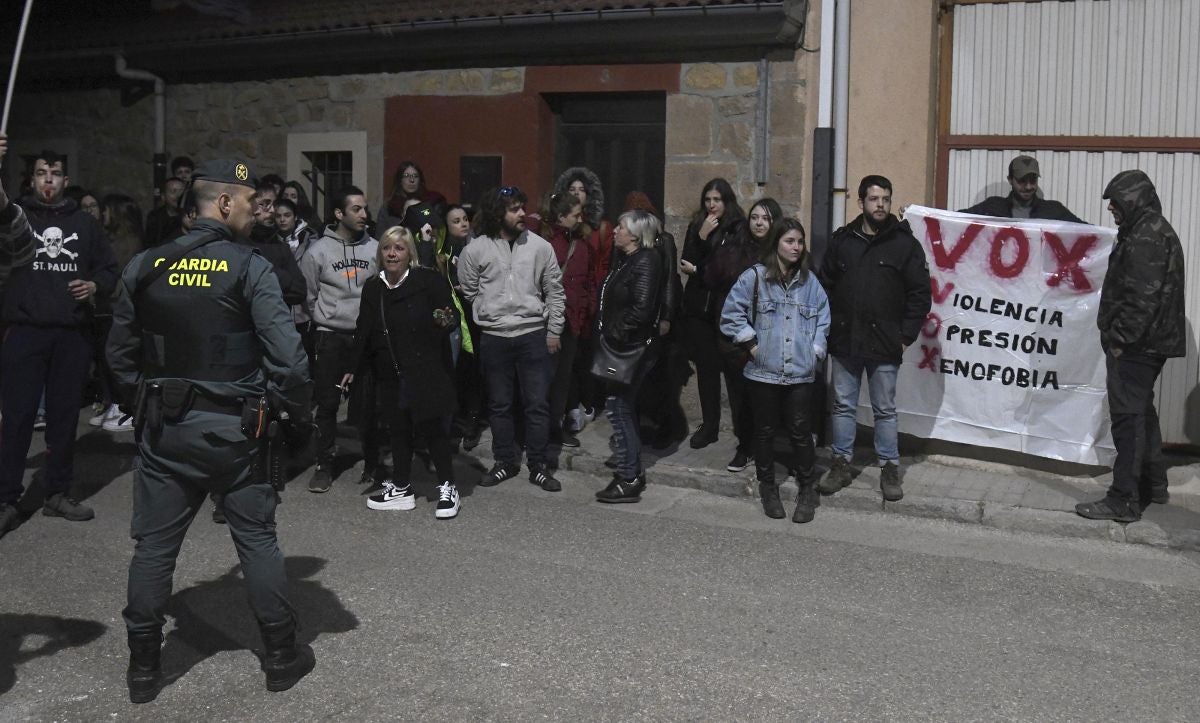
{"points": [[498, 473], [540, 476], [569, 440], [703, 437], [838, 477], [10, 518], [740, 461], [60, 505], [621, 491], [322, 478], [448, 501], [393, 497], [470, 438], [889, 482], [218, 513], [1109, 509]]}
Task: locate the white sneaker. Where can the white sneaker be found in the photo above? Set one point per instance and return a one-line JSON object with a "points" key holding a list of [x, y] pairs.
{"points": [[448, 501], [105, 414], [118, 423], [393, 497]]}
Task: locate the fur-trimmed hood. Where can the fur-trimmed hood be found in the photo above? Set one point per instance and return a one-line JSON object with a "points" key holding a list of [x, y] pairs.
{"points": [[593, 210]]}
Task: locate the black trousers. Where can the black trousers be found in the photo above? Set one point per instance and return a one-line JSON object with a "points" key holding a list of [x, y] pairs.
{"points": [[564, 390], [35, 358], [330, 361], [791, 403], [405, 431], [1139, 467], [700, 336]]}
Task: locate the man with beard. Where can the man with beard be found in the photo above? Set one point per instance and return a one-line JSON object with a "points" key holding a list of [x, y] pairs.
{"points": [[512, 280], [1023, 201], [875, 274], [48, 306], [265, 237]]}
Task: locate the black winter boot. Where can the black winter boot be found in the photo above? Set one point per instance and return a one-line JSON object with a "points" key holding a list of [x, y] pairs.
{"points": [[144, 676], [284, 662], [807, 500], [772, 505]]}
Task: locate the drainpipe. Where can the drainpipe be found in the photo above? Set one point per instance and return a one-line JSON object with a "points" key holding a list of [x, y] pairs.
{"points": [[160, 119], [841, 109], [824, 144]]}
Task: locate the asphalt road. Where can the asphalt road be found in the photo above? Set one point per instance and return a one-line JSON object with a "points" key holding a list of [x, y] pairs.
{"points": [[687, 606]]}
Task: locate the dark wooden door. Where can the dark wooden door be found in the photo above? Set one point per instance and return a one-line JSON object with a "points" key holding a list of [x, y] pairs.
{"points": [[621, 137]]}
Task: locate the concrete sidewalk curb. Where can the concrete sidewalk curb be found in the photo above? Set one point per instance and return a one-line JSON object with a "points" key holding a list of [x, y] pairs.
{"points": [[862, 496]]}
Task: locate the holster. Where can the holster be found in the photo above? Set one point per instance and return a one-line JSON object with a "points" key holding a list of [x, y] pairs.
{"points": [[147, 408]]}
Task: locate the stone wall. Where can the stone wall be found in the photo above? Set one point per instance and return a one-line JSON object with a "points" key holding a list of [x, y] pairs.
{"points": [[712, 126], [712, 130], [249, 119]]}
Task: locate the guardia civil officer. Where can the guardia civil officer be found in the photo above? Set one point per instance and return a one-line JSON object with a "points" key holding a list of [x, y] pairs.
{"points": [[200, 335]]}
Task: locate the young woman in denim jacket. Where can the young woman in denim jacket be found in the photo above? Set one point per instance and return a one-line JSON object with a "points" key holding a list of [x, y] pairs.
{"points": [[785, 331]]}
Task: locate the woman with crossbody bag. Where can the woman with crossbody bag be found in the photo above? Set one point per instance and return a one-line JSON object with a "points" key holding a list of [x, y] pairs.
{"points": [[404, 320], [630, 303]]}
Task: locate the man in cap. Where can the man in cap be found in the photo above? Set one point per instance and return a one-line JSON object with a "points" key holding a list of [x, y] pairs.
{"points": [[200, 335], [1023, 201], [48, 302], [1142, 324]]}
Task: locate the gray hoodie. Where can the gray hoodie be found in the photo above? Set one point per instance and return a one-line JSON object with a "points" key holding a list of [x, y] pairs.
{"points": [[335, 271], [513, 291]]}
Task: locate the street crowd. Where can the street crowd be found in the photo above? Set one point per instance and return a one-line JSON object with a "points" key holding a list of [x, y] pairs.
{"points": [[438, 319]]}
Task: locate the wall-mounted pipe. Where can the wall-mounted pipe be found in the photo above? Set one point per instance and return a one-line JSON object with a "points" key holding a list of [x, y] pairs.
{"points": [[160, 119], [763, 167], [841, 110]]}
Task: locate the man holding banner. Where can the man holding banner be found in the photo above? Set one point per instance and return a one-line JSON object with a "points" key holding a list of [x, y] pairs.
{"points": [[1142, 324], [875, 274]]}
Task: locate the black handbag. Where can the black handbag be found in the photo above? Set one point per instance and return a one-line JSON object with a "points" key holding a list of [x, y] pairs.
{"points": [[615, 365]]}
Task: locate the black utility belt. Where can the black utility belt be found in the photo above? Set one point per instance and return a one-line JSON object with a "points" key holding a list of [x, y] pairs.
{"points": [[232, 407], [168, 402]]}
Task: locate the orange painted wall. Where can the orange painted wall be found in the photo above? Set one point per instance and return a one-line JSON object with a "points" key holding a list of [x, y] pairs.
{"points": [[435, 131]]}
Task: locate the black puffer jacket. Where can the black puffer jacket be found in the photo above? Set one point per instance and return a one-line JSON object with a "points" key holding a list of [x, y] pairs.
{"points": [[1002, 207], [631, 298], [1142, 303], [878, 289]]}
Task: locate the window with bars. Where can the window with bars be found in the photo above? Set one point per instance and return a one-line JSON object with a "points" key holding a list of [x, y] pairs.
{"points": [[326, 172]]}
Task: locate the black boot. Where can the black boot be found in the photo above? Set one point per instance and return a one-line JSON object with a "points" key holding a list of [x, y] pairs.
{"points": [[772, 505], [807, 500], [144, 676], [284, 662], [623, 490]]}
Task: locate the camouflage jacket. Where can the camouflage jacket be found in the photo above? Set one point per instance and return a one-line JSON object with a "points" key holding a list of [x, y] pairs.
{"points": [[1142, 303]]}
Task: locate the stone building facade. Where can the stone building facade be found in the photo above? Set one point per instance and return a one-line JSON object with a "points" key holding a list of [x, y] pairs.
{"points": [[712, 126]]}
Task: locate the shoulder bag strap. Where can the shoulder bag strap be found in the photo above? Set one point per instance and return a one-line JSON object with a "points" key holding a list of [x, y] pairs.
{"points": [[387, 338]]}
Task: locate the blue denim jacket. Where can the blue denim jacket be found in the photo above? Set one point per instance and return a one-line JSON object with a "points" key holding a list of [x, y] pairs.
{"points": [[790, 329]]}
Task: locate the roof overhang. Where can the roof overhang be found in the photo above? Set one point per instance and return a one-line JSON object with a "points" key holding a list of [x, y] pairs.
{"points": [[689, 33]]}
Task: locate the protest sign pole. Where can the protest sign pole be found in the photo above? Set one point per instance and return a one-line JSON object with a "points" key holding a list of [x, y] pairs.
{"points": [[12, 72]]}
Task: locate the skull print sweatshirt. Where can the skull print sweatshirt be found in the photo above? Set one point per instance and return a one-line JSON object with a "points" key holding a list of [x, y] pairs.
{"points": [[68, 244]]}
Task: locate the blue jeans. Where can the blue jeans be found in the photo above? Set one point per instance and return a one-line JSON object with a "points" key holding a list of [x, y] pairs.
{"points": [[621, 410], [881, 385], [517, 361]]}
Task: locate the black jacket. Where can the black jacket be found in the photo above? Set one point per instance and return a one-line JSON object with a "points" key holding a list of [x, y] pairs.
{"points": [[1142, 301], [1001, 207], [699, 300], [878, 289], [419, 346], [266, 241], [672, 293], [630, 300], [71, 245]]}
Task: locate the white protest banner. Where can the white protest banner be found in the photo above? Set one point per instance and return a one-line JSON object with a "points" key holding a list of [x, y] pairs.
{"points": [[1009, 356]]}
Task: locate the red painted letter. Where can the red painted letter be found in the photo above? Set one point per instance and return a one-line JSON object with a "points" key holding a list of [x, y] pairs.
{"points": [[996, 260], [943, 258], [932, 326], [1068, 261], [939, 293], [928, 357]]}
